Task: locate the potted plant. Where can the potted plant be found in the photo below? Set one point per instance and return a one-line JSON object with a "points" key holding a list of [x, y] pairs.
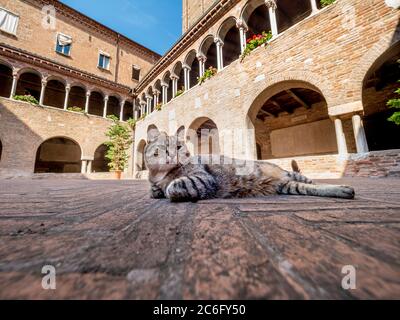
{"points": [[158, 106], [120, 136], [256, 41], [179, 92], [76, 109], [209, 73], [27, 98]]}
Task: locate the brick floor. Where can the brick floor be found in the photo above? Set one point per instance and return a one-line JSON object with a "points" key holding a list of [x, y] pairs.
{"points": [[108, 240]]}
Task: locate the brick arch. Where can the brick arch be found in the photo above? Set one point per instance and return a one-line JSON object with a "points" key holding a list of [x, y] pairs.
{"points": [[273, 85], [360, 71]]}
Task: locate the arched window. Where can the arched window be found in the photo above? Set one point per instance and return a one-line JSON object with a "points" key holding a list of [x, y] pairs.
{"points": [[29, 83], [193, 63], [113, 107], [77, 97], [96, 104], [58, 155], [6, 79], [209, 50], [230, 36], [54, 95]]}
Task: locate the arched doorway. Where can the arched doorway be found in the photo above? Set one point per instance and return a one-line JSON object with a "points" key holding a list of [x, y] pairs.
{"points": [[58, 155], [379, 86], [203, 137], [140, 163], [29, 83], [54, 94], [96, 104], [6, 79], [100, 163], [77, 97], [291, 119]]}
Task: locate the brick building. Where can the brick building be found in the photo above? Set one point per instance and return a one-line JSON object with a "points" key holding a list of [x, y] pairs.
{"points": [[65, 60], [317, 92]]}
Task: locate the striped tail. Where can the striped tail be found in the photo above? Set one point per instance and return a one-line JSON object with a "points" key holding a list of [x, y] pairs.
{"points": [[304, 189]]}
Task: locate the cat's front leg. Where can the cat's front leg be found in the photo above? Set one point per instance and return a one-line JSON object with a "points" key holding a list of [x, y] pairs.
{"points": [[200, 186], [156, 192]]}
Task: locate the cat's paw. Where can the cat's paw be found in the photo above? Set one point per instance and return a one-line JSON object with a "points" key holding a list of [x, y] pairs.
{"points": [[156, 192], [345, 192], [182, 190]]}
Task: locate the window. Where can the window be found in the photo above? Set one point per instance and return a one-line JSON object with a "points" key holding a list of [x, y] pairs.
{"points": [[135, 73], [104, 61], [63, 44], [8, 21]]}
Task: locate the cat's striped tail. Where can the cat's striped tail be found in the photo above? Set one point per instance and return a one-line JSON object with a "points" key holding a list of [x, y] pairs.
{"points": [[304, 189]]}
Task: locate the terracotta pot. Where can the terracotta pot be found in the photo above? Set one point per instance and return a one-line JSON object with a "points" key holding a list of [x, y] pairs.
{"points": [[118, 175]]}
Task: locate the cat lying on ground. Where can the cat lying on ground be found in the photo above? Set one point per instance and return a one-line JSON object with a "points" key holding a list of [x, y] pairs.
{"points": [[175, 175]]}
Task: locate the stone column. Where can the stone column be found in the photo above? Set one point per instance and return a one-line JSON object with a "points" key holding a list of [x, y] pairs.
{"points": [[105, 107], [359, 134], [87, 101], [121, 113], [271, 4], [42, 92], [14, 85], [143, 106], [340, 137], [187, 70], [84, 166], [67, 90], [164, 93], [242, 31], [135, 114], [220, 56], [89, 166], [202, 64], [174, 85], [314, 6], [148, 104]]}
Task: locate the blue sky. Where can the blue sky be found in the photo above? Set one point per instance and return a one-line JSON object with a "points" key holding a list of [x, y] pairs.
{"points": [[156, 24]]}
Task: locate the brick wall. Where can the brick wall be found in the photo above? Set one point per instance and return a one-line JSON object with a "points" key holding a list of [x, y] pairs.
{"points": [[23, 127]]}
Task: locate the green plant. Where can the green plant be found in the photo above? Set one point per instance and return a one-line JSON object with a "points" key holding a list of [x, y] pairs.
{"points": [[325, 3], [120, 136], [159, 107], [395, 104], [255, 42], [209, 73], [26, 98], [179, 92], [131, 123], [76, 109]]}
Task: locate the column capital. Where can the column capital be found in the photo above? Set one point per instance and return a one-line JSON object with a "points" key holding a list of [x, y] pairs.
{"points": [[201, 57], [106, 98], [164, 84], [44, 82], [156, 91], [122, 102], [218, 41], [68, 87], [148, 96], [88, 93], [240, 24], [271, 4], [186, 66], [174, 77]]}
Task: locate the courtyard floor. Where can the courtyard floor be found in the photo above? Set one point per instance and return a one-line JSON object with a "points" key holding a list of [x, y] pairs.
{"points": [[108, 240]]}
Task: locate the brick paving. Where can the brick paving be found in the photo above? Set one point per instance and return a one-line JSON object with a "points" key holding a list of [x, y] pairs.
{"points": [[108, 240]]}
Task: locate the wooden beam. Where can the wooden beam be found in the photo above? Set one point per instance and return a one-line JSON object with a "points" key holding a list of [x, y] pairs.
{"points": [[276, 104], [298, 99], [267, 113]]}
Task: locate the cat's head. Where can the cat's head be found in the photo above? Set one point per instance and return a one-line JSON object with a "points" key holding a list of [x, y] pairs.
{"points": [[163, 152]]}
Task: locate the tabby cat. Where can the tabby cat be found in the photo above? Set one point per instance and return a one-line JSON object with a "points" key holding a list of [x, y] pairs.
{"points": [[175, 175]]}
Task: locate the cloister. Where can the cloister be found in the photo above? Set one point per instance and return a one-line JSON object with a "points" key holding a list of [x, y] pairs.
{"points": [[57, 92], [290, 99]]}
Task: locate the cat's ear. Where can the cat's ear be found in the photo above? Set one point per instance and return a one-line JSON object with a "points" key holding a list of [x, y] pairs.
{"points": [[152, 134]]}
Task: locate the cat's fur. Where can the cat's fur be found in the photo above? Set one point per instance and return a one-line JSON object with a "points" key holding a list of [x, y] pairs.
{"points": [[175, 175]]}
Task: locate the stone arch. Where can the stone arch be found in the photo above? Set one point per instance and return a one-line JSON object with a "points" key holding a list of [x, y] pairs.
{"points": [[179, 71], [230, 36], [77, 96], [209, 50], [58, 155], [140, 162], [379, 86], [29, 83], [202, 137], [100, 163], [290, 119], [255, 15], [113, 106], [6, 79], [193, 63], [96, 103], [54, 94], [167, 80]]}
